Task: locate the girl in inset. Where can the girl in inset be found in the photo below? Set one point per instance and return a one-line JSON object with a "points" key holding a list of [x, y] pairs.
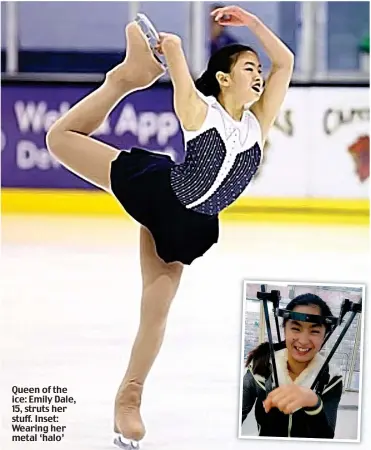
{"points": [[225, 117], [294, 409]]}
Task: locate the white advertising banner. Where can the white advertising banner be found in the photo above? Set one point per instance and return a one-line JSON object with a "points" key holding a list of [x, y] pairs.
{"points": [[319, 146]]}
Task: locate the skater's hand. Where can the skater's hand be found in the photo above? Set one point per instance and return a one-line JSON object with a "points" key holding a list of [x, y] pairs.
{"points": [[289, 398], [167, 39], [233, 16]]}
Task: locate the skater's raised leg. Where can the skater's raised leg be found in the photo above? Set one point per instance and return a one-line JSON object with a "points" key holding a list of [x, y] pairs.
{"points": [[68, 139], [160, 284]]}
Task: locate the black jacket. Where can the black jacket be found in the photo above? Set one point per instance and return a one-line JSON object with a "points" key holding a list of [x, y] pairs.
{"points": [[318, 422]]}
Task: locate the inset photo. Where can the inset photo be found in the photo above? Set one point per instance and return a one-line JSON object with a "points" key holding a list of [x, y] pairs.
{"points": [[301, 361]]}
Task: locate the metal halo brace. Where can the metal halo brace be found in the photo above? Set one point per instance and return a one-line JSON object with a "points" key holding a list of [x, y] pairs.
{"points": [[275, 297], [152, 36]]}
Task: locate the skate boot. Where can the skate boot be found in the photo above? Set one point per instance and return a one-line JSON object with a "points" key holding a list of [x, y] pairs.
{"points": [[141, 67], [129, 427]]}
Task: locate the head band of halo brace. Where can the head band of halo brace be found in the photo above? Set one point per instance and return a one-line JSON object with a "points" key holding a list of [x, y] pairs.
{"points": [[311, 318]]}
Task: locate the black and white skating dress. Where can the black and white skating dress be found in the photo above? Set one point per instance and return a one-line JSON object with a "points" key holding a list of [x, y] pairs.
{"points": [[180, 203]]}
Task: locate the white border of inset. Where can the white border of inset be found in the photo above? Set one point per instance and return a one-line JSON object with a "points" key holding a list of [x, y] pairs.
{"points": [[360, 397]]}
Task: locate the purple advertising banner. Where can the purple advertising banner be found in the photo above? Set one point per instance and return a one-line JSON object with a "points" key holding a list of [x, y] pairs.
{"points": [[144, 119]]}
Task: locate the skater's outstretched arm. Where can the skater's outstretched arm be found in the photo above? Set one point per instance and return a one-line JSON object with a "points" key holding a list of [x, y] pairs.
{"points": [[189, 107], [267, 107]]}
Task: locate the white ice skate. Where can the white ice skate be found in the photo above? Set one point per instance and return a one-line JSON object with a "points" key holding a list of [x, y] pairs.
{"points": [[152, 36], [126, 444]]}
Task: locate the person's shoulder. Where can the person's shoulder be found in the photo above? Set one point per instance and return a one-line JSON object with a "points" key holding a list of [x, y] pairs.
{"points": [[331, 368], [335, 375], [252, 376], [208, 99], [251, 116], [334, 382]]}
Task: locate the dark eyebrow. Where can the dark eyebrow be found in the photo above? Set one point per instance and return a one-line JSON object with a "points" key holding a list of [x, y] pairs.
{"points": [[294, 322], [253, 64]]}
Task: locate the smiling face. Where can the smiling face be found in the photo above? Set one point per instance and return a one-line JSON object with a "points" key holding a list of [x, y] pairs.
{"points": [[304, 339], [245, 80]]}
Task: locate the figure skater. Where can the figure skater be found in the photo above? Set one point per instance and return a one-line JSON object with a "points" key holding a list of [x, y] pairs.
{"points": [[177, 205], [294, 409]]}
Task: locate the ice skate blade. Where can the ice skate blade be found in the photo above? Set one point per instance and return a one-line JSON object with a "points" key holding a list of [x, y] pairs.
{"points": [[151, 35], [126, 444]]}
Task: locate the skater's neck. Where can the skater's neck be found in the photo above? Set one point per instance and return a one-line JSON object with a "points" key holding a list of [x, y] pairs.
{"points": [[232, 106]]}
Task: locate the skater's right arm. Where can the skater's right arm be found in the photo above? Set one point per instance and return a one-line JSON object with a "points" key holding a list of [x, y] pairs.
{"points": [[249, 395], [189, 107]]}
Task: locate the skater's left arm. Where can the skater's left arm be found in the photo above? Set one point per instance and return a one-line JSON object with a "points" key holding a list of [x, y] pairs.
{"points": [[268, 106]]}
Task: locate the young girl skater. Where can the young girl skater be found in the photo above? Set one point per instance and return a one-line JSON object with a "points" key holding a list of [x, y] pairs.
{"points": [[294, 409], [176, 205]]}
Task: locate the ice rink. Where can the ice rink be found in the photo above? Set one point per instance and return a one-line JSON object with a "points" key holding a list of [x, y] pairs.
{"points": [[70, 308]]}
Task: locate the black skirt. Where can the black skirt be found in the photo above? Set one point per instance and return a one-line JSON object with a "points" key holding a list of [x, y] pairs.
{"points": [[140, 180]]}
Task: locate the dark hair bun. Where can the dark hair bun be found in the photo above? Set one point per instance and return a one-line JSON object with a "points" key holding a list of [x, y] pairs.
{"points": [[207, 84]]}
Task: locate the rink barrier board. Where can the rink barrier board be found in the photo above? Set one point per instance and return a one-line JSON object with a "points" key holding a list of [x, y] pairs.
{"points": [[317, 148], [245, 209]]}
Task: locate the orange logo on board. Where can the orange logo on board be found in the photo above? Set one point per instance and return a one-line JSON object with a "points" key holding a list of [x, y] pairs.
{"points": [[360, 152]]}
